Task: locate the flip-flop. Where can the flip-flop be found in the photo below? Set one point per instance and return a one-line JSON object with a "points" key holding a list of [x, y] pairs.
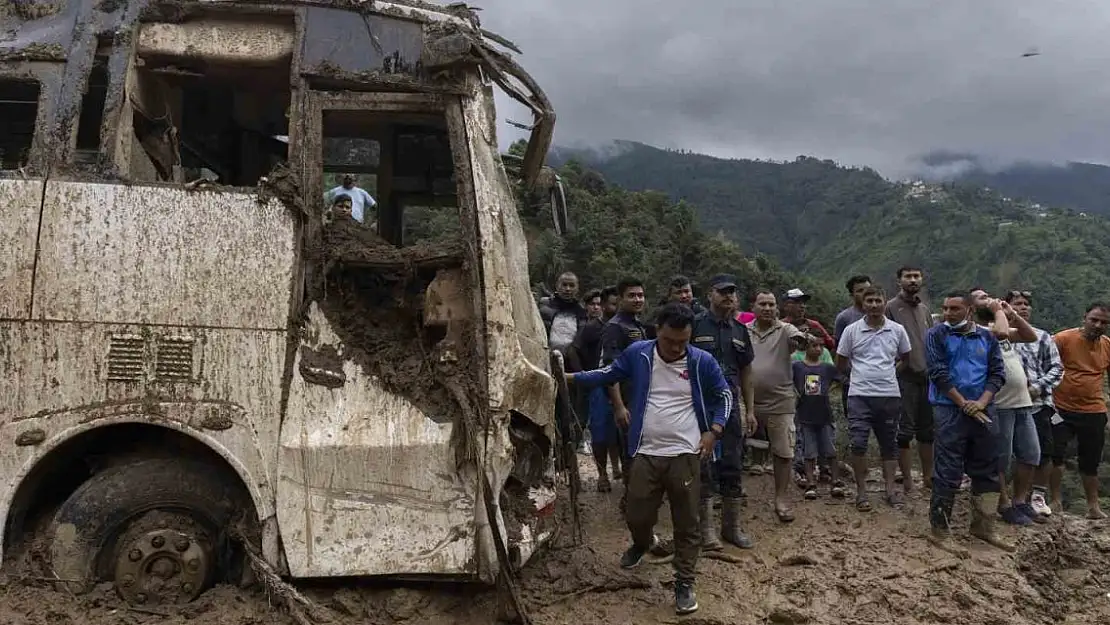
{"points": [[896, 500], [863, 504], [784, 515]]}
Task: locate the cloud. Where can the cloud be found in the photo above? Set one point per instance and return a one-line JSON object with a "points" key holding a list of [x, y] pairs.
{"points": [[862, 82]]}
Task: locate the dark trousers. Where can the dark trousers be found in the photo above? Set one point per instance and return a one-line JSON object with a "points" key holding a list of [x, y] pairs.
{"points": [[679, 478], [964, 445], [727, 472]]}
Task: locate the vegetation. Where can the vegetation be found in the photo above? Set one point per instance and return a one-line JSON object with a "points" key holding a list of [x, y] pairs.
{"points": [[825, 222]]}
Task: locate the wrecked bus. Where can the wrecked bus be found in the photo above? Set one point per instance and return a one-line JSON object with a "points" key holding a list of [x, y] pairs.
{"points": [[191, 351]]}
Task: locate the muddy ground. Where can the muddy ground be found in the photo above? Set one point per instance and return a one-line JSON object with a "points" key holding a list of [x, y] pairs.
{"points": [[834, 565]]}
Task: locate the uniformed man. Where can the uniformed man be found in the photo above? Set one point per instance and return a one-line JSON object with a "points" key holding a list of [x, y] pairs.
{"points": [[623, 330], [718, 332]]}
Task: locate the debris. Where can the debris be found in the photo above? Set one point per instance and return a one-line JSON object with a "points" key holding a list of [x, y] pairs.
{"points": [[302, 609], [799, 560]]}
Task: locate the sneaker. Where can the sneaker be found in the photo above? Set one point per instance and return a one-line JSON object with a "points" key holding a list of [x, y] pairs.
{"points": [[1014, 516], [1029, 511], [685, 601], [634, 555], [1040, 506]]}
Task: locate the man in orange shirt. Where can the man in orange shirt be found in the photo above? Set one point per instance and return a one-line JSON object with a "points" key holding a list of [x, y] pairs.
{"points": [[1081, 407]]}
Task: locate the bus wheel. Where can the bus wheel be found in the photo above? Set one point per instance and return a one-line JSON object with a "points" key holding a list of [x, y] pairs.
{"points": [[156, 527]]}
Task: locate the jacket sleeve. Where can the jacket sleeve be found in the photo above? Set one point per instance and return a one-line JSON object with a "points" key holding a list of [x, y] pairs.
{"points": [[617, 371], [996, 367], [715, 392], [936, 360]]}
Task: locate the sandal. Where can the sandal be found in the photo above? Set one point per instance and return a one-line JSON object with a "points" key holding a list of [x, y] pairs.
{"points": [[784, 515], [863, 504], [896, 500], [811, 493], [837, 490]]}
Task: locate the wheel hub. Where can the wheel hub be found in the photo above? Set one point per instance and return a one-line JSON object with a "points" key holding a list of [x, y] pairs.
{"points": [[162, 566]]}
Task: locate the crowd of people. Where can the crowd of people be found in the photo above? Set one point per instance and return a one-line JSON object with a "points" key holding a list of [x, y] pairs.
{"points": [[687, 404]]}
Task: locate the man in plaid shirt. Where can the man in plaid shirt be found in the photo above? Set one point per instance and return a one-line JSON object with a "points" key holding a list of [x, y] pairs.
{"points": [[1044, 370]]}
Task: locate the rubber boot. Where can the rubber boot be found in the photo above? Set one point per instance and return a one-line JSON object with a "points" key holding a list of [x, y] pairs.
{"points": [[731, 527], [940, 513], [983, 509], [709, 540]]}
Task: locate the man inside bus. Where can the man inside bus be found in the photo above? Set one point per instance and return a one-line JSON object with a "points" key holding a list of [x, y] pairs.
{"points": [[360, 199]]}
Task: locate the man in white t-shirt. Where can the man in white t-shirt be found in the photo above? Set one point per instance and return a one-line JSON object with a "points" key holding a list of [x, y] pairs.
{"points": [[360, 199], [869, 351], [1017, 431], [679, 403]]}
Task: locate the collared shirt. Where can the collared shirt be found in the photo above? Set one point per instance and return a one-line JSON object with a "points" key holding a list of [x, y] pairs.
{"points": [[621, 331], [845, 318], [1043, 366], [771, 368], [727, 339], [914, 316], [873, 352]]}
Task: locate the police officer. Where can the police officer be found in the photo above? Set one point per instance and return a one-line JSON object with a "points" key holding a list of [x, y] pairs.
{"points": [[719, 332], [623, 330]]}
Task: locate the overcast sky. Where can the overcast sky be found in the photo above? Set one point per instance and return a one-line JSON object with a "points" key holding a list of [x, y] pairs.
{"points": [[867, 82]]}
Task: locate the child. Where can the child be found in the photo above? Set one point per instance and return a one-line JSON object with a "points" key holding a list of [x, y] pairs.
{"points": [[813, 417]]}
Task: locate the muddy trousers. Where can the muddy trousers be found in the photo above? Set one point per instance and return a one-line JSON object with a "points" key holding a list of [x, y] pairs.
{"points": [[727, 472], [679, 478], [962, 445]]}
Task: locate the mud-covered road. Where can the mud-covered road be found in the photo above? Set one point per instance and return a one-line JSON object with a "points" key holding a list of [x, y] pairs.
{"points": [[834, 565]]}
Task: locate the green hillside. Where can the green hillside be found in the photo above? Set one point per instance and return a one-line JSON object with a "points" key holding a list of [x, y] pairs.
{"points": [[826, 222]]}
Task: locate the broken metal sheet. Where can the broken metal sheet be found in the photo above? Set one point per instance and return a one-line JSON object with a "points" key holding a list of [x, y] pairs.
{"points": [[368, 483], [518, 360], [154, 254], [20, 201]]}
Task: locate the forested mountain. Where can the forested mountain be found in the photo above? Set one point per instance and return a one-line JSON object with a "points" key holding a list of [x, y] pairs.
{"points": [[1079, 186], [826, 222], [617, 233]]}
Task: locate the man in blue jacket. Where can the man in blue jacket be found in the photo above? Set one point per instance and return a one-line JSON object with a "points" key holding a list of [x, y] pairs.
{"points": [[679, 403], [965, 371]]}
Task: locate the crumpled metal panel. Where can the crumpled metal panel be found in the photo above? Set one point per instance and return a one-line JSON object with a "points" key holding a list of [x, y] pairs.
{"points": [[165, 255], [367, 482], [20, 201], [53, 384], [519, 377]]}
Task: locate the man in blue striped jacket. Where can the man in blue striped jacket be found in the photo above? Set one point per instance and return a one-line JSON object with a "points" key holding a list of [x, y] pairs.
{"points": [[679, 404]]}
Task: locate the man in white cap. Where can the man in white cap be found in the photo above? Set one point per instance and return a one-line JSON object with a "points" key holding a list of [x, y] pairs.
{"points": [[794, 313]]}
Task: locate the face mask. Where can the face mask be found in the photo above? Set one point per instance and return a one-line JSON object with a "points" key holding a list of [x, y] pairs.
{"points": [[956, 326]]}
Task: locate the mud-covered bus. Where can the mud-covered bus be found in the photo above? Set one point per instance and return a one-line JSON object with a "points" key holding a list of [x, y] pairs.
{"points": [[194, 349]]}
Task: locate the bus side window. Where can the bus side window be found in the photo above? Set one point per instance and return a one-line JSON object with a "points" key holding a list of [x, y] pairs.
{"points": [[19, 107]]}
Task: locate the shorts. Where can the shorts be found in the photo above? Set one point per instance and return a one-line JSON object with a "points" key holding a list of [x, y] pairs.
{"points": [[1089, 429], [817, 440], [1042, 418], [878, 414], [781, 433], [1017, 437], [916, 421]]}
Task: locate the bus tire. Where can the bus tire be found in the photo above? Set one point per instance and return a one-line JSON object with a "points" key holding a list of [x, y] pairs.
{"points": [[156, 527]]}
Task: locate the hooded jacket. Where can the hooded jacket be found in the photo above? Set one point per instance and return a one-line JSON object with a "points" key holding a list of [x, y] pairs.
{"points": [[709, 390]]}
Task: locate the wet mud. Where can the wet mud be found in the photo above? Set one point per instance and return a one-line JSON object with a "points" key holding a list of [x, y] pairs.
{"points": [[833, 565]]}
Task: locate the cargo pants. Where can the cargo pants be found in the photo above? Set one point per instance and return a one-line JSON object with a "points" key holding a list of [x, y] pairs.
{"points": [[679, 478]]}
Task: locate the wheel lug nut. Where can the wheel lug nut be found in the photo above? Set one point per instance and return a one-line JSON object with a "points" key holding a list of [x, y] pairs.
{"points": [[135, 555], [181, 544], [187, 587], [127, 580], [157, 542], [140, 598], [193, 564]]}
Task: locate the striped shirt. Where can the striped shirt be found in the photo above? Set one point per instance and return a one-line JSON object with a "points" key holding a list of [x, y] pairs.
{"points": [[1043, 366]]}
